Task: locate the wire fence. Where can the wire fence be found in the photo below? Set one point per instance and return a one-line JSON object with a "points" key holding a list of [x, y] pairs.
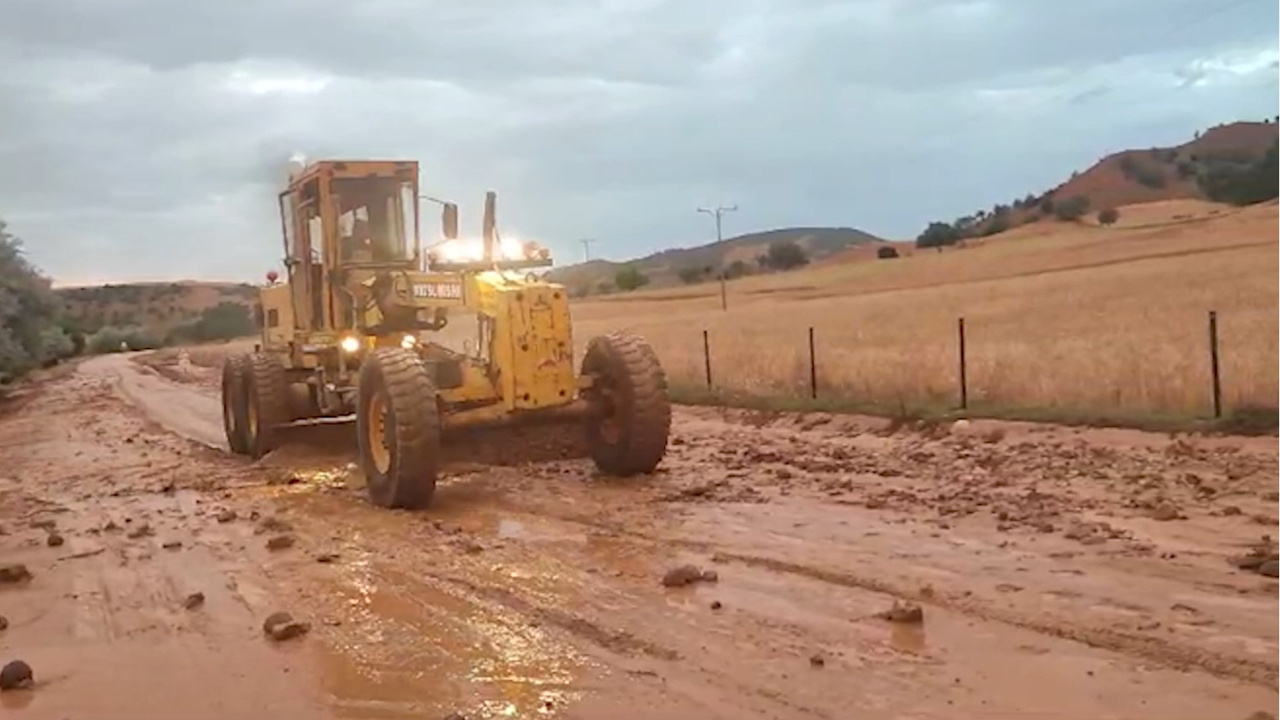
{"points": [[962, 393]]}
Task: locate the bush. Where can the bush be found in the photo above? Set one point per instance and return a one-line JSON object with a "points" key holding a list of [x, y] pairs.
{"points": [[736, 269], [691, 275], [1108, 216], [1073, 208], [785, 255], [886, 252], [109, 340], [630, 278]]}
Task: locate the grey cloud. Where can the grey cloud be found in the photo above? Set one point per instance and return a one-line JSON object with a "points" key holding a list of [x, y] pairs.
{"points": [[146, 138]]}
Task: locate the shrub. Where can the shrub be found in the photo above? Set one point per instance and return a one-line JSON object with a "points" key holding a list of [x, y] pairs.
{"points": [[886, 252], [1108, 216]]}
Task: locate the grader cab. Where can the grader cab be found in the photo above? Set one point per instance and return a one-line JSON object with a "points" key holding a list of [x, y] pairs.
{"points": [[352, 329]]}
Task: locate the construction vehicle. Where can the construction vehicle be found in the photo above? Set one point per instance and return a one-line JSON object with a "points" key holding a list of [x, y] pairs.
{"points": [[350, 331]]}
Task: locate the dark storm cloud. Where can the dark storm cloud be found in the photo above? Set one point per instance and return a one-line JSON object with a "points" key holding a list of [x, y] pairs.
{"points": [[147, 138]]}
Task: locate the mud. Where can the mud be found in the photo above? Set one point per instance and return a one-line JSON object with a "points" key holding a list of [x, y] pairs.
{"points": [[844, 568]]}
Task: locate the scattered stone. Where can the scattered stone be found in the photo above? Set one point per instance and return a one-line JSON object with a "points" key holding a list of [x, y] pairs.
{"points": [[1270, 568], [14, 573], [280, 542], [1232, 510], [193, 601], [903, 612], [682, 575], [111, 526], [226, 516], [54, 540], [327, 558], [141, 531], [4, 623], [168, 488], [17, 675], [281, 626], [46, 524], [816, 660], [710, 576], [1261, 715], [172, 545], [716, 605], [455, 716], [1165, 512], [272, 524]]}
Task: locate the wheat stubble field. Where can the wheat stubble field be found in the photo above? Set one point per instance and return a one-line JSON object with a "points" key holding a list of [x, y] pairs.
{"points": [[1062, 320]]}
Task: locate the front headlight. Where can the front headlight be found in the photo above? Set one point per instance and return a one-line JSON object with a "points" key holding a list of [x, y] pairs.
{"points": [[349, 344], [408, 341]]}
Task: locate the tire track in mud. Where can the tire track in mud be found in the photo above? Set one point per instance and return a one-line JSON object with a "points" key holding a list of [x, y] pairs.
{"points": [[1173, 655]]}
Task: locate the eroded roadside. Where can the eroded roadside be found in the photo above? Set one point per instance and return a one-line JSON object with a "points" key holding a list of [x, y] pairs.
{"points": [[1062, 573]]}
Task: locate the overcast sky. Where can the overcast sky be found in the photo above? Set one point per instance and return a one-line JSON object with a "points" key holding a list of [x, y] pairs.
{"points": [[146, 139]]}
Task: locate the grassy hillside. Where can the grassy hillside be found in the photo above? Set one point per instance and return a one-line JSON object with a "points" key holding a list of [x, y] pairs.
{"points": [[161, 306], [1064, 320], [1202, 168], [666, 267]]}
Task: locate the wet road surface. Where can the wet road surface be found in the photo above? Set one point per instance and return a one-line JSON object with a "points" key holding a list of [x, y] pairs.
{"points": [[1052, 580]]}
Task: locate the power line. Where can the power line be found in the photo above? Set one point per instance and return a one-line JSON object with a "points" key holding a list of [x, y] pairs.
{"points": [[586, 248]]}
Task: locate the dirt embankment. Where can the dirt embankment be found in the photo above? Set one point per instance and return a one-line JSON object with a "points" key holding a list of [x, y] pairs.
{"points": [[1059, 573]]}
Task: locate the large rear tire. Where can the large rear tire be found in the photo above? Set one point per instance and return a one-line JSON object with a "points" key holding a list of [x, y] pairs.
{"points": [[235, 390], [267, 404], [629, 434], [398, 425]]}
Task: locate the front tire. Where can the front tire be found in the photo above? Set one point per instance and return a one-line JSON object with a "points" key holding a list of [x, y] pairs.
{"points": [[398, 425], [235, 381], [629, 434], [267, 404]]}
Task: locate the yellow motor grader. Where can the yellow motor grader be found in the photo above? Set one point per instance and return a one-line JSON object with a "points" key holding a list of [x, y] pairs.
{"points": [[352, 327]]}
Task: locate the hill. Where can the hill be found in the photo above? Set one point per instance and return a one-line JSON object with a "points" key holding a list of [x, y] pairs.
{"points": [[1063, 321], [736, 255], [158, 308], [1219, 164]]}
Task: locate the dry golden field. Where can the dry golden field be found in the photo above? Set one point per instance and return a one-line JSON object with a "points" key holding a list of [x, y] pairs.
{"points": [[1062, 320]]}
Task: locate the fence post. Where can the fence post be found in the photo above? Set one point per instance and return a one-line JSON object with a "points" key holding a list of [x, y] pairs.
{"points": [[724, 293], [706, 355], [1214, 369], [813, 368], [964, 370]]}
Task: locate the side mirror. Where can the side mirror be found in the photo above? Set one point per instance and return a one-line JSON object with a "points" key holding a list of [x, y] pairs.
{"points": [[449, 221]]}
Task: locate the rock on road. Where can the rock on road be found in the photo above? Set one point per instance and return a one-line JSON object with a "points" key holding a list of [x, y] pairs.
{"points": [[1053, 578]]}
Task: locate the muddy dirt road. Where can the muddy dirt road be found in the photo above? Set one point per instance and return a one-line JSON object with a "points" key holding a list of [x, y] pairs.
{"points": [[1061, 574]]}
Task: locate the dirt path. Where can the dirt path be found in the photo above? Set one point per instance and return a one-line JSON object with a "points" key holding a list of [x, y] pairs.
{"points": [[1049, 588]]}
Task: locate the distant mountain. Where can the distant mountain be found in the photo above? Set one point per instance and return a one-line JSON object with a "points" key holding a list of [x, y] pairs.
{"points": [[1196, 169], [664, 268]]}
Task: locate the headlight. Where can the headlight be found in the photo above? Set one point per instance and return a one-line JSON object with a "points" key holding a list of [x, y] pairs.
{"points": [[350, 343], [408, 341]]}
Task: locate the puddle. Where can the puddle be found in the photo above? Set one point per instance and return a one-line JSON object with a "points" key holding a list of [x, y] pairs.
{"points": [[409, 646]]}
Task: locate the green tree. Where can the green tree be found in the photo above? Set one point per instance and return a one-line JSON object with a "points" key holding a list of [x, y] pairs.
{"points": [[938, 234], [29, 312], [1243, 184], [630, 278]]}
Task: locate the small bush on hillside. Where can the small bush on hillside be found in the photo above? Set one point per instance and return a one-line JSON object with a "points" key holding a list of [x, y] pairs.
{"points": [[886, 252], [109, 339], [786, 255], [630, 278], [1108, 216], [1072, 208]]}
